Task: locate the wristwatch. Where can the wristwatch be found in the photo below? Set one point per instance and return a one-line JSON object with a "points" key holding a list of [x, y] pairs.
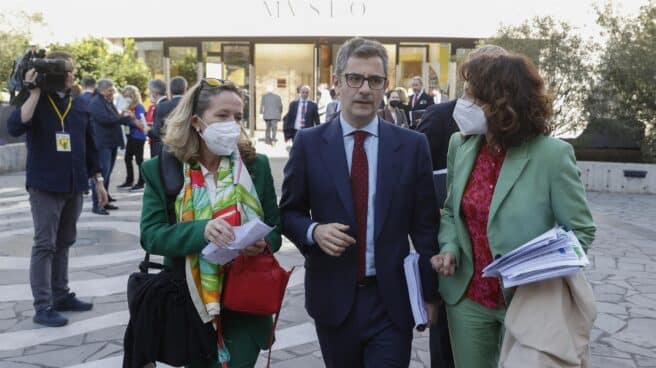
{"points": [[29, 85]]}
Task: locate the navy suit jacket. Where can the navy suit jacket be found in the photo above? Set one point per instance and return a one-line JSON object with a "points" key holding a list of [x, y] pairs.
{"points": [[438, 125], [319, 190], [311, 118], [107, 123]]}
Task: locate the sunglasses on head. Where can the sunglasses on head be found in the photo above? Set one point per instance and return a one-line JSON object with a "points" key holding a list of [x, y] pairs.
{"points": [[209, 83]]}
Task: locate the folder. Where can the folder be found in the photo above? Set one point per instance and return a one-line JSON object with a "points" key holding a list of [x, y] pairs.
{"points": [[411, 269], [439, 184]]}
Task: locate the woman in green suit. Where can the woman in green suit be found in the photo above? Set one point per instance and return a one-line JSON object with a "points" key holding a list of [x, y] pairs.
{"points": [[508, 182], [225, 184]]}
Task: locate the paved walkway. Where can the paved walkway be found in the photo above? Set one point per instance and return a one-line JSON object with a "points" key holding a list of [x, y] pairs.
{"points": [[107, 251]]}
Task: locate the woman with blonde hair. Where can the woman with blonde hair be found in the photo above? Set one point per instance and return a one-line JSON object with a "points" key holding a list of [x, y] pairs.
{"points": [[403, 97], [136, 136], [225, 184]]}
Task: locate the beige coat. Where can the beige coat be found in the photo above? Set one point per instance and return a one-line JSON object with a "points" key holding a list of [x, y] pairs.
{"points": [[548, 324]]}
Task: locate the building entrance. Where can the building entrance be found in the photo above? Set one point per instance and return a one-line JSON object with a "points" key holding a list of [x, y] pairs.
{"points": [[282, 68]]}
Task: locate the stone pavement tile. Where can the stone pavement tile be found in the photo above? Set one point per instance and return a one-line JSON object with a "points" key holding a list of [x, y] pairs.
{"points": [[642, 312], [641, 301], [606, 350], [602, 262], [609, 323], [607, 362], [7, 313], [641, 332], [10, 353], [120, 269], [644, 362], [309, 361], [595, 334], [612, 308], [38, 349], [70, 341], [305, 349], [23, 306], [7, 324], [610, 298], [8, 364], [279, 355], [106, 334], [116, 298], [63, 357], [606, 288], [9, 277], [107, 350], [629, 348], [630, 266]]}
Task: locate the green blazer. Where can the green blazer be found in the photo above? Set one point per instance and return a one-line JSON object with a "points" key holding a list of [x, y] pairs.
{"points": [[158, 237], [539, 186]]}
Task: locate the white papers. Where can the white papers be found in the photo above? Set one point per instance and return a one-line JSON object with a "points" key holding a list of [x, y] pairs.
{"points": [[411, 268], [555, 253], [245, 235]]}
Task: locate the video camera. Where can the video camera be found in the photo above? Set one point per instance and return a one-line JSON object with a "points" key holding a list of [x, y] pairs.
{"points": [[51, 76]]}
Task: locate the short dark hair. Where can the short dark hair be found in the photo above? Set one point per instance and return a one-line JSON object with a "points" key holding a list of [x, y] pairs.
{"points": [[178, 86], [89, 82], [333, 94], [516, 102], [360, 48], [157, 86], [59, 55]]}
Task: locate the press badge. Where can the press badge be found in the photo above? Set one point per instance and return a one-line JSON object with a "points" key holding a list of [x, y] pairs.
{"points": [[63, 142]]}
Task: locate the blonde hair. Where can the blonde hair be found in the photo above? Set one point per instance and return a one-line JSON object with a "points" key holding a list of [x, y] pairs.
{"points": [[180, 137], [133, 92], [403, 96]]}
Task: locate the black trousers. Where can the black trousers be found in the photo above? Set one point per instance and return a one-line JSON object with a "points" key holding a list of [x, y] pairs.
{"points": [[134, 149], [440, 343]]}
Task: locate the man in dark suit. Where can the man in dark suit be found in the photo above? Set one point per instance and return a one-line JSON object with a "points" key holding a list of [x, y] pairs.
{"points": [[419, 100], [350, 211], [438, 125], [88, 90], [178, 86], [302, 113]]}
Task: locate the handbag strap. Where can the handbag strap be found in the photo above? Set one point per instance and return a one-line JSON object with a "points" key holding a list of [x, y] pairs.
{"points": [[170, 171], [275, 320]]}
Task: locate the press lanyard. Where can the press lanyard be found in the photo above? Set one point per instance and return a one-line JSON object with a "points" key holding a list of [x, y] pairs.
{"points": [[61, 116]]}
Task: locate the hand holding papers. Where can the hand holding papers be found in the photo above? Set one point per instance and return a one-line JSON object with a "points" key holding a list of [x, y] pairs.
{"points": [[245, 235], [411, 268], [555, 253]]}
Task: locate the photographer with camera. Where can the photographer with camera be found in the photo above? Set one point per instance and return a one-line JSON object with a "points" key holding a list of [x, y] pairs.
{"points": [[61, 159]]}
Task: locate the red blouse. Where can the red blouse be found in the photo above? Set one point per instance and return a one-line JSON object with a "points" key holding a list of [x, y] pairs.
{"points": [[476, 201]]}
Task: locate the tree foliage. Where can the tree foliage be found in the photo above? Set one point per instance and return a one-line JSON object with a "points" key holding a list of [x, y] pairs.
{"points": [[15, 38], [626, 83], [95, 59], [560, 55]]}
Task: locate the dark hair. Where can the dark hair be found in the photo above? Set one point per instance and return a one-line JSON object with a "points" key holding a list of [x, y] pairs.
{"points": [[88, 82], [516, 103], [59, 55], [157, 86], [333, 94], [360, 48], [178, 86]]}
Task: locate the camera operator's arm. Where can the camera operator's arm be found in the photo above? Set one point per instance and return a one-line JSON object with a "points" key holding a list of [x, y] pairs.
{"points": [[27, 110]]}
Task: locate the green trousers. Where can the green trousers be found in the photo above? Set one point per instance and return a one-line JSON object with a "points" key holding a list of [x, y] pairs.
{"points": [[476, 333], [241, 345]]}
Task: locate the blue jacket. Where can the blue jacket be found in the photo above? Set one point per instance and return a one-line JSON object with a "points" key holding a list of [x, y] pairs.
{"points": [[106, 122], [317, 188], [47, 169]]}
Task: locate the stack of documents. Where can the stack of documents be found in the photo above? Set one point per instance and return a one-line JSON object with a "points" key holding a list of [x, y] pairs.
{"points": [[411, 268], [245, 235], [555, 253]]}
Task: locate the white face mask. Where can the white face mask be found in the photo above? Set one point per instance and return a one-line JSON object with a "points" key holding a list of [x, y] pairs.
{"points": [[128, 100], [469, 117], [221, 137]]}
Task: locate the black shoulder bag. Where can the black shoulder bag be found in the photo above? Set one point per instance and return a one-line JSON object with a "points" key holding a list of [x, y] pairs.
{"points": [[164, 325]]}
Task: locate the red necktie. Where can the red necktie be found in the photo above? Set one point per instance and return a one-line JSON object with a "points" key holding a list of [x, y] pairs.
{"points": [[303, 114], [414, 100], [360, 191]]}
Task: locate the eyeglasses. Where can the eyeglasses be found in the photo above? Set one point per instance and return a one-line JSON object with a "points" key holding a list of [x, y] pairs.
{"points": [[355, 80], [209, 82]]}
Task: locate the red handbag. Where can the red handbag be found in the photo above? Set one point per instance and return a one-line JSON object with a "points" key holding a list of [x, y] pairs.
{"points": [[254, 284]]}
